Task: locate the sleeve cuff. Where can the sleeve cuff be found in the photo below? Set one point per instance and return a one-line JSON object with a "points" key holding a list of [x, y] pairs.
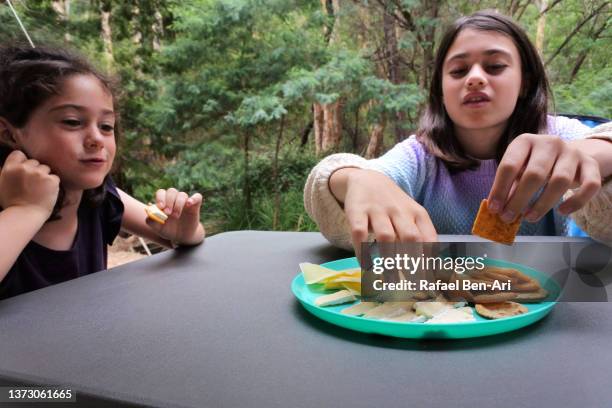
{"points": [[594, 218], [320, 203], [603, 131]]}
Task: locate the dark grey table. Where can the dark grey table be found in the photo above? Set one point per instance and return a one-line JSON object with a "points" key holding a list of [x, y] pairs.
{"points": [[217, 326]]}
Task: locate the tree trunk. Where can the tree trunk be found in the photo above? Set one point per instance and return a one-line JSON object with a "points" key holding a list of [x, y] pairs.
{"points": [[392, 60], [328, 127], [327, 118], [107, 33], [157, 28], [305, 133], [577, 65], [541, 27], [62, 8], [355, 138], [428, 49], [317, 111], [248, 202], [332, 126], [137, 36], [135, 24], [277, 193], [375, 144]]}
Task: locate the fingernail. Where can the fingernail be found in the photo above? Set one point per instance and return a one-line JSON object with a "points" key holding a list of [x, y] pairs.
{"points": [[494, 206], [168, 211], [160, 204], [508, 216], [531, 216]]}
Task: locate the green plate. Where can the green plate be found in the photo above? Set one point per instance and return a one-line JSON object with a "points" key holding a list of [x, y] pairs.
{"points": [[413, 330]]}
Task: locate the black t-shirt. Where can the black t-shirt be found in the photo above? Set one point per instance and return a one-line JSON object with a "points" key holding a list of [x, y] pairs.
{"points": [[38, 266]]}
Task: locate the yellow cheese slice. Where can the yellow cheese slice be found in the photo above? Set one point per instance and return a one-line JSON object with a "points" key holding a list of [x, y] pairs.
{"points": [[353, 287], [337, 298], [314, 273], [344, 278], [154, 213], [333, 285]]}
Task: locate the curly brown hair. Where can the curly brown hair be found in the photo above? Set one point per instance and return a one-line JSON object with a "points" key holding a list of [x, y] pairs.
{"points": [[30, 76]]}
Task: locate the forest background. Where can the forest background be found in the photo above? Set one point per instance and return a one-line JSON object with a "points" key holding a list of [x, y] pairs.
{"points": [[239, 99]]}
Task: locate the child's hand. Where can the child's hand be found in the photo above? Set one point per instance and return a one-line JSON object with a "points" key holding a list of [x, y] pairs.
{"points": [[25, 182], [183, 224], [535, 161], [373, 202]]}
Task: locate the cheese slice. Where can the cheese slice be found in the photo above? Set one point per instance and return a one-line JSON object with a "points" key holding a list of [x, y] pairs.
{"points": [[458, 315], [409, 316], [388, 310], [345, 278], [354, 288], [154, 213], [314, 273], [336, 298], [359, 308], [430, 309]]}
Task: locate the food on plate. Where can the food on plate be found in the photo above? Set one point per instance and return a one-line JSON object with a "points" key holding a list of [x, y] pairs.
{"points": [[493, 297], [314, 273], [453, 315], [336, 298], [536, 296], [409, 316], [431, 308], [491, 226], [442, 307], [359, 309], [500, 310], [388, 310]]}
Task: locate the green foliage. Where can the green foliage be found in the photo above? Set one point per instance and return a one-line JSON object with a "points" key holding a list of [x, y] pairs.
{"points": [[293, 167], [293, 217], [231, 68], [590, 95]]}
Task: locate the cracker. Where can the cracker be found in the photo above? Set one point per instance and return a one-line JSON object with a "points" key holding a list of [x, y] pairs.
{"points": [[336, 298], [156, 214], [532, 286], [490, 226], [493, 297], [537, 296], [500, 310]]}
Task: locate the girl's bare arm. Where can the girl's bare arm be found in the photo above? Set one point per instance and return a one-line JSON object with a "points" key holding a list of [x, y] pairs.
{"points": [[18, 225]]}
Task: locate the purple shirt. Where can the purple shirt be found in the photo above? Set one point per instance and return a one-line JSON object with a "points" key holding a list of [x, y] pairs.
{"points": [[38, 266]]}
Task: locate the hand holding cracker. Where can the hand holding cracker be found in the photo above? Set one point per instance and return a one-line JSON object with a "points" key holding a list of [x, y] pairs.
{"points": [[176, 217], [534, 162]]}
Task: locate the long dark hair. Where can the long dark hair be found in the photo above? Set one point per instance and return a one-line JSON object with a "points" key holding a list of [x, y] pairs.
{"points": [[30, 76], [436, 130]]}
